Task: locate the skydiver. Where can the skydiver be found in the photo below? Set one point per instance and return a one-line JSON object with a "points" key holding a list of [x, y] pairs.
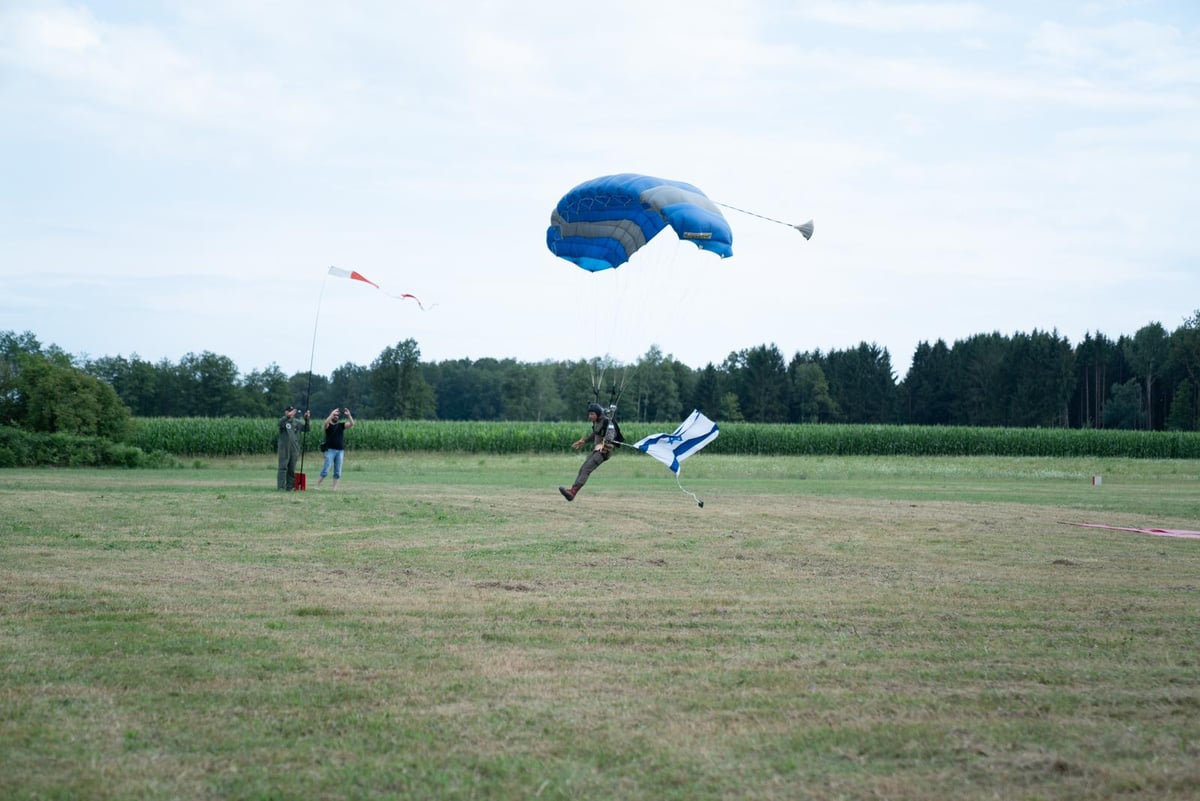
{"points": [[603, 439]]}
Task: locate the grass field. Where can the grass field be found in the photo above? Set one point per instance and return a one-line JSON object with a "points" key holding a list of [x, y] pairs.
{"points": [[448, 627]]}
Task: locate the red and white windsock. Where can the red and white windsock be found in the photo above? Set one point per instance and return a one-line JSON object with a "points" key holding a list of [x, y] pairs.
{"points": [[357, 276]]}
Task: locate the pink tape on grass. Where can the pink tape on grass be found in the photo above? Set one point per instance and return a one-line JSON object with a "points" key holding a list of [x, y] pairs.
{"points": [[1158, 532]]}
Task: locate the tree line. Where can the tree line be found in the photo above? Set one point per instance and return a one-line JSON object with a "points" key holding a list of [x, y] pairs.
{"points": [[1149, 380]]}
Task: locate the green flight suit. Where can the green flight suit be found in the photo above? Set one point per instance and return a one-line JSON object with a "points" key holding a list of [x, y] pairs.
{"points": [[290, 429]]}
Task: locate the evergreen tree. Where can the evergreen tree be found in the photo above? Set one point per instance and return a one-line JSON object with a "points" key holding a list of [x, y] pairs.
{"points": [[708, 390], [1037, 370], [978, 387], [927, 390], [862, 384]]}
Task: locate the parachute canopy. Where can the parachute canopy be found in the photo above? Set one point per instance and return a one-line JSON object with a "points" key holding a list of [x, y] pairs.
{"points": [[599, 224]]}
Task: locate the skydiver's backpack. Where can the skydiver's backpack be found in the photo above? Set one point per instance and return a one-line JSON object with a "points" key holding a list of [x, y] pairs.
{"points": [[618, 437]]}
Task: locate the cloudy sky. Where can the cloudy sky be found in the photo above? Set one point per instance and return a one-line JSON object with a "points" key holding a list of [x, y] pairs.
{"points": [[178, 177]]}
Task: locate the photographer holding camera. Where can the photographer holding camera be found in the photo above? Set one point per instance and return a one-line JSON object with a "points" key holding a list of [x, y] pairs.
{"points": [[288, 449], [334, 445]]}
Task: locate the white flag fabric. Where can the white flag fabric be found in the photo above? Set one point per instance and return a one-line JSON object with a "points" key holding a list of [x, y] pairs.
{"points": [[671, 449]]}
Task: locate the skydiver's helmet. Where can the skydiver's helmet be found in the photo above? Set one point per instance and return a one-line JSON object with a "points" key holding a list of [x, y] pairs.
{"points": [[597, 408]]}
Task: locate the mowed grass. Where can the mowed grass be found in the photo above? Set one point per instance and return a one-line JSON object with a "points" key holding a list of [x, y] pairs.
{"points": [[448, 627]]}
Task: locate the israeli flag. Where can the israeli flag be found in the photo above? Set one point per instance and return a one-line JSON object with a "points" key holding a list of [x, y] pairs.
{"points": [[671, 449]]}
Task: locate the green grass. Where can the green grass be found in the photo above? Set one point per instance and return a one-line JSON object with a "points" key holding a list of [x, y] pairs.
{"points": [[448, 627]]}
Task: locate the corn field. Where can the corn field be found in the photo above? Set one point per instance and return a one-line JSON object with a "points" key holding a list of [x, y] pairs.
{"points": [[249, 436]]}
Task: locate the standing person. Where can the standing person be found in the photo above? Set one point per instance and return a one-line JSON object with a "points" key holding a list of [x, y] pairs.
{"points": [[289, 447], [603, 438], [335, 445]]}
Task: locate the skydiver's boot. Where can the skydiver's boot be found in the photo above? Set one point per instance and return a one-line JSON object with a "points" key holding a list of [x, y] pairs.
{"points": [[569, 494]]}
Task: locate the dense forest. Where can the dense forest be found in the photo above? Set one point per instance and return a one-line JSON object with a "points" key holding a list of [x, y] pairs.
{"points": [[1149, 380]]}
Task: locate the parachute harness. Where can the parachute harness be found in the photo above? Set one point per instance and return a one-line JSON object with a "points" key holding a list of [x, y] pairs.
{"points": [[615, 390], [614, 398]]}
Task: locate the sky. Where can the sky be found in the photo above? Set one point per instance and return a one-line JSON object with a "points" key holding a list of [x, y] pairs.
{"points": [[177, 177]]}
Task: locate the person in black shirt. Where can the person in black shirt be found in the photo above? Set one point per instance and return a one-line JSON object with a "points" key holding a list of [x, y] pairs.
{"points": [[335, 444]]}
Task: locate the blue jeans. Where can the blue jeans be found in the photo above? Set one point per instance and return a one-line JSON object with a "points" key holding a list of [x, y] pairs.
{"points": [[334, 458]]}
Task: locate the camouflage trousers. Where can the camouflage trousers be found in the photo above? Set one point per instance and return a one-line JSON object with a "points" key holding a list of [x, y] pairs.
{"points": [[594, 460]]}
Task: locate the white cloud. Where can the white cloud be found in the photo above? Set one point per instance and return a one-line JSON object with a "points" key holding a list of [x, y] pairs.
{"points": [[1024, 165], [902, 17], [1132, 51]]}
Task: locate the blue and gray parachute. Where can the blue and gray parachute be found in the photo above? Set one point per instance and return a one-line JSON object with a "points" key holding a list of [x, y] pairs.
{"points": [[599, 224]]}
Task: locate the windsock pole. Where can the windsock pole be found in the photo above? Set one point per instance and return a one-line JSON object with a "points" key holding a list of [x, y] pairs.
{"points": [[312, 354]]}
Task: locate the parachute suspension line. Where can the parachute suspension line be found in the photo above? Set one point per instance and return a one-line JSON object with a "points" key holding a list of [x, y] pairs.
{"points": [[615, 389], [598, 380], [804, 228]]}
